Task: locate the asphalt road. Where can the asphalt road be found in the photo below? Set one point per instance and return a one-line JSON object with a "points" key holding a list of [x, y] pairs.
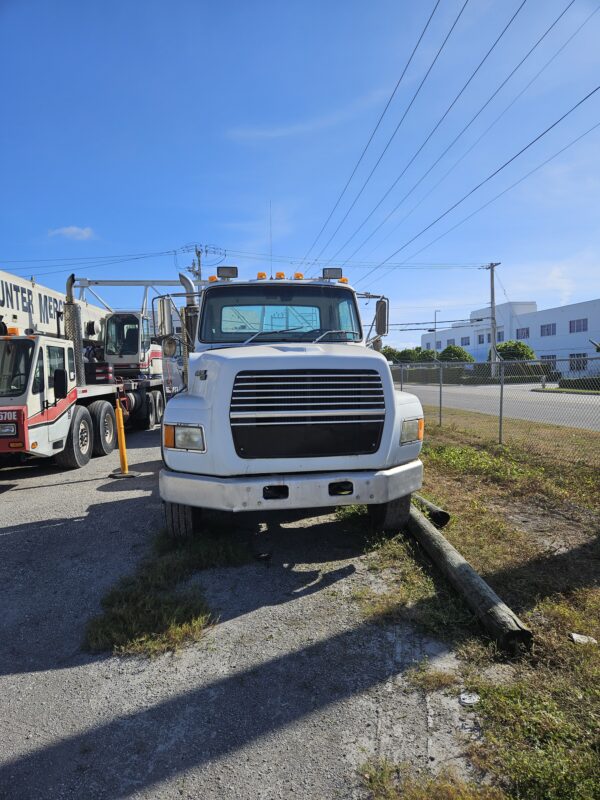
{"points": [[573, 410], [284, 698]]}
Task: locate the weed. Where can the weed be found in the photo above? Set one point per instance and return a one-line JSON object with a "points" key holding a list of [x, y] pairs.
{"points": [[385, 781], [429, 679], [150, 613]]}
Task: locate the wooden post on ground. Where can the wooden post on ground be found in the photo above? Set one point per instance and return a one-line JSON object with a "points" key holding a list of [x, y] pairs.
{"points": [[503, 624]]}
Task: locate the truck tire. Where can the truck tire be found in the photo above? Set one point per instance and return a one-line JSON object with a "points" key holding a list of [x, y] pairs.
{"points": [[104, 423], [159, 405], [146, 418], [80, 440], [390, 517], [181, 520]]}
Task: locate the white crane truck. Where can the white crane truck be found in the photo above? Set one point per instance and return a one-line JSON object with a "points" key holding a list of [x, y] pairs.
{"points": [[54, 399], [286, 405]]}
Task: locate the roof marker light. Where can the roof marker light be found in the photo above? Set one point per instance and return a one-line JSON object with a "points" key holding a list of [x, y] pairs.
{"points": [[298, 276], [343, 280], [261, 276], [212, 279], [279, 276]]}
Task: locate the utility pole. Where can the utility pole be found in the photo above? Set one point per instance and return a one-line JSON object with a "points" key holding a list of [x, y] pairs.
{"points": [[435, 313], [493, 348], [199, 263]]}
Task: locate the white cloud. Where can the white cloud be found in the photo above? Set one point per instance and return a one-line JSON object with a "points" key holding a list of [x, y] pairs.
{"points": [[73, 232], [555, 282], [311, 125]]}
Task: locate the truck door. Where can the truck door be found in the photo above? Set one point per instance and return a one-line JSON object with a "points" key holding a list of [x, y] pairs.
{"points": [[59, 412]]}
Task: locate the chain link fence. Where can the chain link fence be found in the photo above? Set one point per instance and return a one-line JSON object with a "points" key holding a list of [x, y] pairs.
{"points": [[550, 405]]}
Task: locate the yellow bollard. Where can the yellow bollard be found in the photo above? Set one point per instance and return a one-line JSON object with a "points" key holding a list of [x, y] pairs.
{"points": [[124, 471], [121, 438]]}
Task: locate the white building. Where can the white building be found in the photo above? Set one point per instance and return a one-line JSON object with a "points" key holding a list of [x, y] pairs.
{"points": [[553, 334]]}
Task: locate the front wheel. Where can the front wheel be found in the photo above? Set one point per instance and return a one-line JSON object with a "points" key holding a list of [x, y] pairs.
{"points": [[390, 517], [182, 521], [80, 440]]}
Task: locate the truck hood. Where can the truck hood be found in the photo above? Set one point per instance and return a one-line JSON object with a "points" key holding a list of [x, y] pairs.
{"points": [[305, 353]]}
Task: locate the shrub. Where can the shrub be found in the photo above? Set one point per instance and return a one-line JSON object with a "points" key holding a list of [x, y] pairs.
{"points": [[593, 383], [455, 353]]}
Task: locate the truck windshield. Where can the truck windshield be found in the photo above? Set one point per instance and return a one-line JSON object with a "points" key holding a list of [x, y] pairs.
{"points": [[15, 364], [267, 312], [122, 335]]}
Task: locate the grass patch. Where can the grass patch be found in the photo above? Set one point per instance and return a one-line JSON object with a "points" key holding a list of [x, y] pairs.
{"points": [[540, 721], [385, 781], [429, 679], [149, 613]]}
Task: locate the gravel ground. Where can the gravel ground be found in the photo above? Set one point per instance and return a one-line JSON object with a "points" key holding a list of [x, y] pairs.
{"points": [[285, 697]]}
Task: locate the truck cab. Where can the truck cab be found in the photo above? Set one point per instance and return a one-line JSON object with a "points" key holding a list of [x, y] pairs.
{"points": [[286, 407], [34, 409], [128, 344]]}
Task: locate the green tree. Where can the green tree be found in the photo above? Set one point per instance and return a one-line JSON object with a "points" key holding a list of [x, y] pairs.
{"points": [[514, 351], [390, 353], [425, 355], [455, 353], [408, 354]]}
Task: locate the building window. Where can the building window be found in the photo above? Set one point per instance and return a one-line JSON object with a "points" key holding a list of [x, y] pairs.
{"points": [[465, 341], [550, 360], [438, 345], [548, 330], [489, 337], [480, 338], [578, 325], [522, 333], [500, 336], [427, 345], [578, 362], [450, 342]]}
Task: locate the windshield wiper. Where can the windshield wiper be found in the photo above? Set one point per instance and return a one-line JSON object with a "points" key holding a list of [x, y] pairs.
{"points": [[323, 335], [261, 333]]}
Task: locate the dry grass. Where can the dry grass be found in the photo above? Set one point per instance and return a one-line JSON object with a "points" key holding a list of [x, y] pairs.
{"points": [[151, 612], [429, 679], [385, 781], [541, 722]]}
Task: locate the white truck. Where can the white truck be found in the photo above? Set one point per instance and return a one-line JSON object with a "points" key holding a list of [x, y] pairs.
{"points": [[63, 364], [286, 406]]}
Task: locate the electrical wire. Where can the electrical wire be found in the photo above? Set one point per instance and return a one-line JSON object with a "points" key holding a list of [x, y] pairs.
{"points": [[485, 132], [452, 143], [374, 131], [487, 179], [430, 134], [397, 128], [500, 194]]}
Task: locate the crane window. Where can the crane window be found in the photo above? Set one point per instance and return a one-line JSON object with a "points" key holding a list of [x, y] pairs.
{"points": [[122, 335]]}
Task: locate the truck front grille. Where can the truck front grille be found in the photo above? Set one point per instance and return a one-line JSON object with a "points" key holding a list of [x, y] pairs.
{"points": [[306, 413]]}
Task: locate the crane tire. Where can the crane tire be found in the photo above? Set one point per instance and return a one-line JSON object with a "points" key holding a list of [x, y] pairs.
{"points": [[80, 440], [159, 404], [105, 427]]}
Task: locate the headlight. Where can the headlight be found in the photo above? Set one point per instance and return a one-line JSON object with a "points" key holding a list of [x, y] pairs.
{"points": [[185, 437], [8, 429], [412, 430]]}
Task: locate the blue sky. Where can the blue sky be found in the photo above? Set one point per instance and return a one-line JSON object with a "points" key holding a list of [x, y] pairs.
{"points": [[141, 127]]}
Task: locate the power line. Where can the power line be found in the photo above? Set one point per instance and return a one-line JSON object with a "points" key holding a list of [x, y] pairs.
{"points": [[504, 191], [485, 132], [375, 129], [486, 180], [453, 142], [397, 128], [430, 134]]}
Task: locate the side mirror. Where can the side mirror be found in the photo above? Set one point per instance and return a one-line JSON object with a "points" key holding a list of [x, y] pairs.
{"points": [[164, 325], [381, 317], [61, 386], [169, 347]]}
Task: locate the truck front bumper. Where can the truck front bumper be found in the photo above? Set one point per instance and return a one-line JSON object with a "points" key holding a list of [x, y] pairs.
{"points": [[296, 490]]}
